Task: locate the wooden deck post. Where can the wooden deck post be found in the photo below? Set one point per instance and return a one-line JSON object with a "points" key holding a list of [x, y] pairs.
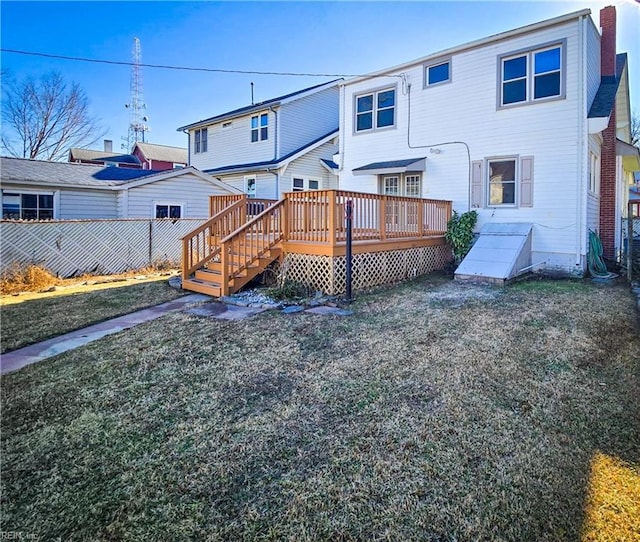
{"points": [[420, 218], [382, 218], [332, 195], [284, 219], [186, 264], [224, 269]]}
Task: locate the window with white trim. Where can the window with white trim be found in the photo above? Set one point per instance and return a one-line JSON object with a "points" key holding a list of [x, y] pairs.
{"points": [[407, 184], [25, 206], [168, 210], [502, 181], [259, 127], [594, 172], [375, 110], [532, 76], [200, 140], [437, 73], [300, 184], [250, 186]]}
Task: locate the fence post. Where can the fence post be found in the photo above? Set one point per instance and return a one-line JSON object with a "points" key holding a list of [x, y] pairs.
{"points": [[630, 241], [150, 242]]}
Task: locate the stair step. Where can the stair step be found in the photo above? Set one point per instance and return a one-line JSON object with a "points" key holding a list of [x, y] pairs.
{"points": [[203, 287]]}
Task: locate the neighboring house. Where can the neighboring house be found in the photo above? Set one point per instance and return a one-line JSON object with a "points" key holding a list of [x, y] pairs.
{"points": [[276, 146], [40, 190], [530, 126], [104, 158], [160, 157]]}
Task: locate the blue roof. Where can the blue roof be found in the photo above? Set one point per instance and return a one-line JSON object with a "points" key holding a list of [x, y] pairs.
{"points": [[267, 163], [253, 107], [329, 163], [606, 95], [123, 174]]}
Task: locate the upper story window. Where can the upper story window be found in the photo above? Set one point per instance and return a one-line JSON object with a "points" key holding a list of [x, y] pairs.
{"points": [[437, 73], [532, 75], [200, 140], [375, 110], [259, 127]]}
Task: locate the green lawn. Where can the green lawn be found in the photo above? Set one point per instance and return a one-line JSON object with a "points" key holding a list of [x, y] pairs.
{"points": [[38, 319], [438, 411]]}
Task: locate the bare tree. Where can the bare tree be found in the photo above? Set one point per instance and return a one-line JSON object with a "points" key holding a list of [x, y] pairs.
{"points": [[635, 128], [44, 118]]}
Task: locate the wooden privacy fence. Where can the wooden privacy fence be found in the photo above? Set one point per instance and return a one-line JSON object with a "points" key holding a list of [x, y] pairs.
{"points": [[72, 247]]}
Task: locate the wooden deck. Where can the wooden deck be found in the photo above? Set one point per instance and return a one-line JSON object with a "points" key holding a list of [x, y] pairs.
{"points": [[245, 235]]}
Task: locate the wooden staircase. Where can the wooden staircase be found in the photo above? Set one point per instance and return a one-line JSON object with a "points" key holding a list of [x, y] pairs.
{"points": [[231, 248]]}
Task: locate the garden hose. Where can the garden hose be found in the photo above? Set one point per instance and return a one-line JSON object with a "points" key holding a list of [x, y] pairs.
{"points": [[595, 263]]}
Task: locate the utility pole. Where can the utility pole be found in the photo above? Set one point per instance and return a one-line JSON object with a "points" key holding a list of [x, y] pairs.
{"points": [[136, 105]]}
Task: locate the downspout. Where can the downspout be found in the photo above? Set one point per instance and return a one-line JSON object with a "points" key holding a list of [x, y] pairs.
{"points": [[275, 148], [583, 144], [188, 147]]}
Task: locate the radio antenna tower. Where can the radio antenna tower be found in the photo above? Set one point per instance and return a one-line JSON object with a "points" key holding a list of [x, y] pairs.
{"points": [[136, 105]]}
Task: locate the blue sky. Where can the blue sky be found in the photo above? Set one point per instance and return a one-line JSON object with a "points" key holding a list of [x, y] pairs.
{"points": [[310, 37]]}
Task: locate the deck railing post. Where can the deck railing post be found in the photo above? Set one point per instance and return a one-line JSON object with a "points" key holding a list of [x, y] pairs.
{"points": [[382, 218], [420, 204], [349, 220], [284, 219], [224, 269], [332, 234], [186, 264]]}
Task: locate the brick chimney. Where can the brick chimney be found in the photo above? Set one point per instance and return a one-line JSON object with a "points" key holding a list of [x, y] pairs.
{"points": [[608, 215]]}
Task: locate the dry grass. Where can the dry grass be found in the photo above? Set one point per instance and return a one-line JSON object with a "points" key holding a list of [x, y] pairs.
{"points": [[29, 278], [438, 411], [31, 318]]}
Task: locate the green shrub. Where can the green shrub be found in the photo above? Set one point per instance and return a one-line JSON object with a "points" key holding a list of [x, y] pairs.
{"points": [[460, 233]]}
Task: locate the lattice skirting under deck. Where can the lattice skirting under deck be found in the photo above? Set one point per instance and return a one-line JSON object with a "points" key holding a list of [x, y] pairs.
{"points": [[370, 269]]}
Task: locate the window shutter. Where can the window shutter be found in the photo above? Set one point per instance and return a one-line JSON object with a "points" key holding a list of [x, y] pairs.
{"points": [[526, 181], [476, 184]]}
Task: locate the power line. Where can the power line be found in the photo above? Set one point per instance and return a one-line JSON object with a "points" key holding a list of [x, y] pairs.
{"points": [[183, 68]]}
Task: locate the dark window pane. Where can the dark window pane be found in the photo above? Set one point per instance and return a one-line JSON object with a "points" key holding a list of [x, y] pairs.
{"points": [[264, 120], [46, 214], [298, 183], [30, 200], [439, 73], [254, 136], [174, 211], [313, 185], [386, 99], [547, 85], [385, 118], [29, 214], [254, 122], [263, 133], [45, 201], [547, 61], [365, 121], [10, 211], [365, 103], [162, 211], [204, 140], [508, 193], [513, 92], [515, 68], [502, 171]]}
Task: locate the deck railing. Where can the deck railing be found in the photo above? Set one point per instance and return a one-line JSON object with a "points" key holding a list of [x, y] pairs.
{"points": [[203, 244], [242, 247], [319, 216]]}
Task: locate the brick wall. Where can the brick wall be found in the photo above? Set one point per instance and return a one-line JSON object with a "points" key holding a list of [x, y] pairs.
{"points": [[608, 211]]}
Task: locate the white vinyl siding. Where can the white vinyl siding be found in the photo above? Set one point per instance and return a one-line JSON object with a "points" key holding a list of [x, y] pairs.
{"points": [[79, 204], [593, 62], [187, 190], [307, 119], [465, 110]]}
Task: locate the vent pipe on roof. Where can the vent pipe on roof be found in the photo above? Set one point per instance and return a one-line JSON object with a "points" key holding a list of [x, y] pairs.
{"points": [[252, 103], [108, 145]]}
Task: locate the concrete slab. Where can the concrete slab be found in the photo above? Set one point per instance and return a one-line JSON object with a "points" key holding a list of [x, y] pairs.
{"points": [[12, 361]]}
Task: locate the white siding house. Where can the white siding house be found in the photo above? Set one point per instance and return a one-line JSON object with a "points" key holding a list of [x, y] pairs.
{"points": [[35, 189], [504, 125], [260, 149]]}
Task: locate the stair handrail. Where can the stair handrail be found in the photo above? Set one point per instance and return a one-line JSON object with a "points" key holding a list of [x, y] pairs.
{"points": [[189, 264], [266, 237]]}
